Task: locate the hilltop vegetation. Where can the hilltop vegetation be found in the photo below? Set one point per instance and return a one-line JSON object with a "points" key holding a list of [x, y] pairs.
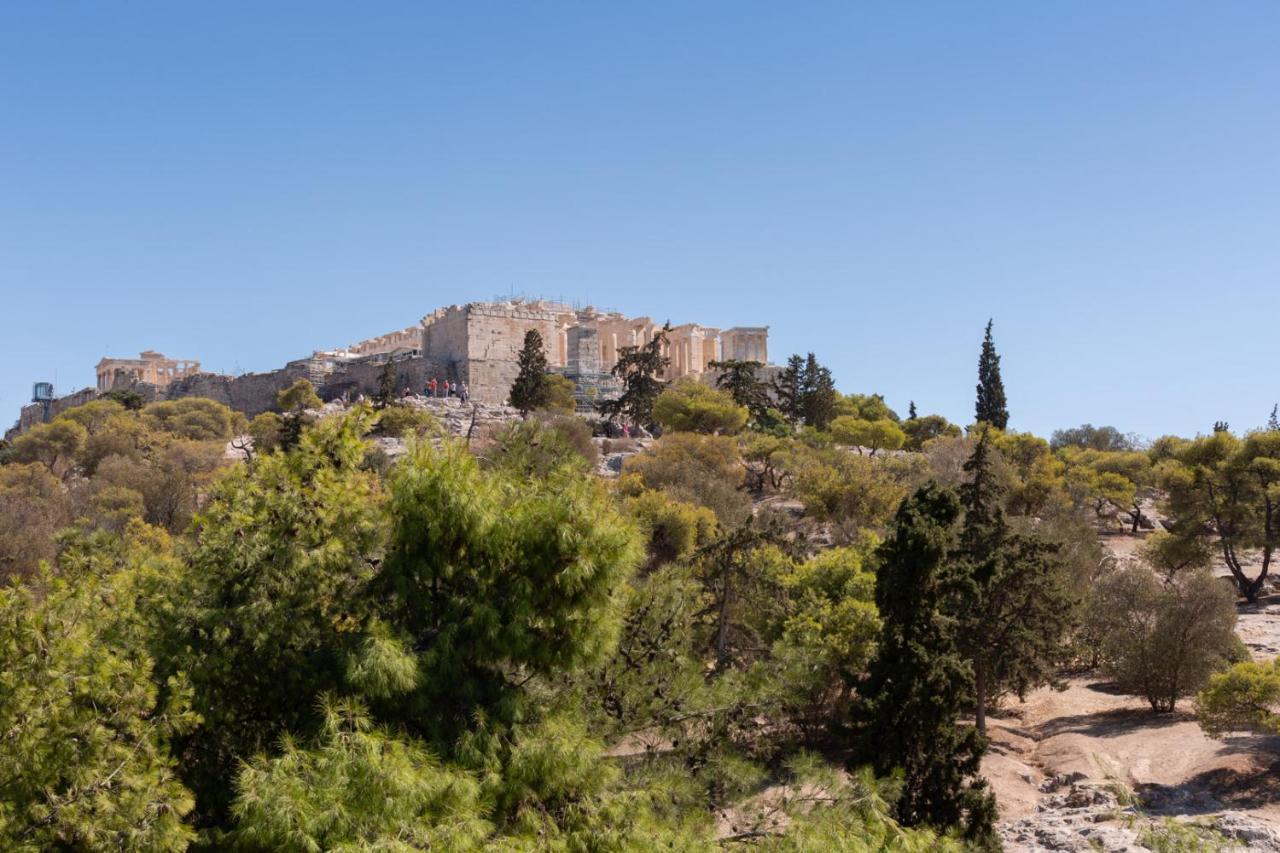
{"points": [[782, 626]]}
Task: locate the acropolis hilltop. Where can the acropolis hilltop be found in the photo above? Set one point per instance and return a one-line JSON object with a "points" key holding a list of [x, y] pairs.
{"points": [[476, 343]]}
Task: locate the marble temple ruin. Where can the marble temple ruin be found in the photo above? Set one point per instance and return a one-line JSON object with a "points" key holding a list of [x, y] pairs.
{"points": [[476, 343]]}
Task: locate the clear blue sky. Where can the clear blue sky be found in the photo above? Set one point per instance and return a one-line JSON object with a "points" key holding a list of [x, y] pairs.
{"points": [[244, 182]]}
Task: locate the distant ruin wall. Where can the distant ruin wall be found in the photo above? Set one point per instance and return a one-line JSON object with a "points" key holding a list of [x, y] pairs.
{"points": [[33, 413]]}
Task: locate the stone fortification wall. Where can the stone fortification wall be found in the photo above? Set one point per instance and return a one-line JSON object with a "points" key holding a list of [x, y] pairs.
{"points": [[33, 413], [494, 336], [251, 393]]}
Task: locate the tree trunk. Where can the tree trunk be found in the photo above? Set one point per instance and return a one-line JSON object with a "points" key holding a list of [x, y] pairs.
{"points": [[722, 630], [980, 694]]}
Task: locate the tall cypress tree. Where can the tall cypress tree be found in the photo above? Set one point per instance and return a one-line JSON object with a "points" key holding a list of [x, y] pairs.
{"points": [[1009, 594], [992, 408], [529, 391], [918, 685]]}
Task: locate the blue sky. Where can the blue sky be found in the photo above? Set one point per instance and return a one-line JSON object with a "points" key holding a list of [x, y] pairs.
{"points": [[244, 182]]}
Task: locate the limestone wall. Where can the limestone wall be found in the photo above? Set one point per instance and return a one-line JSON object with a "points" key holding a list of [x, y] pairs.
{"points": [[33, 413], [495, 335]]}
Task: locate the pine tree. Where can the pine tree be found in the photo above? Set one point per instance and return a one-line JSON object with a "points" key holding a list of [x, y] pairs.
{"points": [[1273, 422], [739, 379], [787, 388], [638, 368], [992, 408], [818, 390], [919, 684], [529, 391], [911, 411], [386, 386], [1010, 598]]}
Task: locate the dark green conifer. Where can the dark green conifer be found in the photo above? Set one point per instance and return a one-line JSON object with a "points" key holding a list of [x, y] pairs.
{"points": [[918, 684], [992, 407], [530, 391]]}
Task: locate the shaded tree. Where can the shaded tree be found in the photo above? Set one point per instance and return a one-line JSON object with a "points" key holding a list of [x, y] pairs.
{"points": [[818, 394], [739, 379], [639, 367], [1162, 641], [789, 389], [918, 683]]}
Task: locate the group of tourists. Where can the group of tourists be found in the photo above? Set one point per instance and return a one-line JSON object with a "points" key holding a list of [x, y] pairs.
{"points": [[445, 388]]}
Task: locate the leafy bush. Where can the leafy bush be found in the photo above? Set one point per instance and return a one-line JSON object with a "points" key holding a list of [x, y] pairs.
{"points": [[690, 406]]}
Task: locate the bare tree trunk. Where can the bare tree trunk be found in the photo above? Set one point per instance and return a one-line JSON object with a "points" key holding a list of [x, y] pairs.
{"points": [[722, 630], [980, 693]]}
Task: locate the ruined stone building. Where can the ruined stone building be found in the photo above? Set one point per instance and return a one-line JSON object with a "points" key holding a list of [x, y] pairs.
{"points": [[150, 367], [477, 344]]}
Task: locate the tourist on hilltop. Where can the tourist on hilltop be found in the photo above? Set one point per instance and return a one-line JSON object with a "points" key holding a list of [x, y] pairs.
{"points": [[464, 392], [431, 387]]}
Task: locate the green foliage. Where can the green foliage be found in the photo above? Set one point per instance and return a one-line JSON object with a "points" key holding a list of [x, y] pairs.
{"points": [[1037, 475], [676, 529], [1089, 437], [530, 391], [357, 788], [559, 394], [1163, 641], [855, 492], [398, 421], [689, 406], [544, 444], [806, 392], [1244, 698], [829, 630], [991, 407], [848, 814], [1171, 836], [1228, 488], [193, 418], [127, 397], [488, 574], [53, 445], [921, 430], [763, 457], [639, 367], [280, 554], [865, 407], [697, 469], [818, 394], [918, 683], [298, 397], [876, 435], [266, 430], [84, 731], [1012, 598], [739, 380]]}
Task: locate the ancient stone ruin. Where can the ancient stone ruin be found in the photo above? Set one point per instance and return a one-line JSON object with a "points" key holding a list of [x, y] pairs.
{"points": [[476, 344]]}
